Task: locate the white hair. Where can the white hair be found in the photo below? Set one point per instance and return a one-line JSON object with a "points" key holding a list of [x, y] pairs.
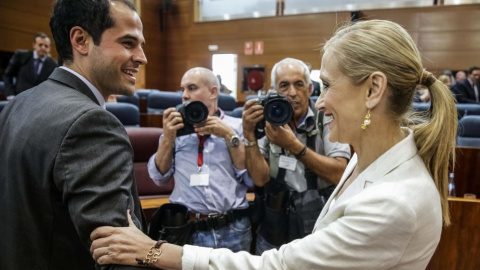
{"points": [[278, 65]]}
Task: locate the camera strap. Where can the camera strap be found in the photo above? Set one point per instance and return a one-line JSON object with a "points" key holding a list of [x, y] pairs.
{"points": [[309, 175]]}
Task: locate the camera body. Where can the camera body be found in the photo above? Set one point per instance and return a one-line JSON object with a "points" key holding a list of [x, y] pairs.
{"points": [[194, 112], [277, 110]]}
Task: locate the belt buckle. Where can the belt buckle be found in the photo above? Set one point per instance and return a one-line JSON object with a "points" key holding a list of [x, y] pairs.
{"points": [[221, 221], [213, 215], [213, 220]]}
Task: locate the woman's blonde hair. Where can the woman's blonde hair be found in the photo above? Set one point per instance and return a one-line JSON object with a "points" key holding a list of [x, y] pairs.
{"points": [[367, 46], [445, 79]]}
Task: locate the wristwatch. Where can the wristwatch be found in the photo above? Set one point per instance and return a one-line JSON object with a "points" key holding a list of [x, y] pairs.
{"points": [[234, 141], [248, 143]]}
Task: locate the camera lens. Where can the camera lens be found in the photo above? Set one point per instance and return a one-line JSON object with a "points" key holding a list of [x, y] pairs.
{"points": [[196, 112], [278, 112]]}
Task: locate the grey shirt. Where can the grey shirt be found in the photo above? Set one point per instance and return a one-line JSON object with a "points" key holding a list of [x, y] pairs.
{"points": [[296, 179]]}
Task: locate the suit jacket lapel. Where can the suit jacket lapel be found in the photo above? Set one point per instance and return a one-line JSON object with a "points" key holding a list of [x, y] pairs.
{"points": [[30, 62], [394, 157], [64, 77]]}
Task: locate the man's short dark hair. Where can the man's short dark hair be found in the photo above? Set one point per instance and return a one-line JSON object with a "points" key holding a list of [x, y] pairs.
{"points": [[92, 15], [39, 35], [472, 69]]}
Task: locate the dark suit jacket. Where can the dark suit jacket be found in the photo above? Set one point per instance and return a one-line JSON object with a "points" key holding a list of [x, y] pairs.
{"points": [[21, 68], [464, 92], [66, 168]]}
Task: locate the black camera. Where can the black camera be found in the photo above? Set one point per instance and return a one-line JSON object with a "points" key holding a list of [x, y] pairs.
{"points": [[276, 110], [194, 112]]}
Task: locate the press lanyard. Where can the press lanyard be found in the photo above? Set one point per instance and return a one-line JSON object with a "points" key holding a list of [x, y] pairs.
{"points": [[202, 139], [201, 143]]}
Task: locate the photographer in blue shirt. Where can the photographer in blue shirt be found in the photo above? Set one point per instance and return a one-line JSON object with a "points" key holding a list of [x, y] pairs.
{"points": [[208, 166]]}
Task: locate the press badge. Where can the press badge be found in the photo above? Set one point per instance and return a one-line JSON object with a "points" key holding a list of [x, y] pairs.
{"points": [[201, 178], [287, 163]]}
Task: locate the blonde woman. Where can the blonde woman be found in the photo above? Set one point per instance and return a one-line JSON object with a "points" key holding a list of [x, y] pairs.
{"points": [[445, 79], [388, 210]]}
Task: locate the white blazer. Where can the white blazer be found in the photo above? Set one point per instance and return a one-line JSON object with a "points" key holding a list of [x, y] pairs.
{"points": [[390, 217]]}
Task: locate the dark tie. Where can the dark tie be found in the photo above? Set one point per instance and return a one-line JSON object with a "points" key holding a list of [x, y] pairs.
{"points": [[36, 70]]}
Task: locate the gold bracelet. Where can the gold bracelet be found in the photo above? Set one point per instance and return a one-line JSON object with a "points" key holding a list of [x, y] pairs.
{"points": [[153, 254]]}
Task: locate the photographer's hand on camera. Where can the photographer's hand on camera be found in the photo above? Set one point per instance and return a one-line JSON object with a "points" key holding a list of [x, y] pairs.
{"points": [[252, 114], [172, 122], [215, 126], [283, 137], [255, 162]]}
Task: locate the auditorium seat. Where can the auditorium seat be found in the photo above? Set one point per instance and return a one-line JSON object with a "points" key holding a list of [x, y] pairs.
{"points": [[162, 100], [421, 106], [467, 109], [143, 98], [237, 112], [133, 99], [227, 103], [251, 97], [469, 131], [144, 142], [128, 114], [3, 103], [144, 93]]}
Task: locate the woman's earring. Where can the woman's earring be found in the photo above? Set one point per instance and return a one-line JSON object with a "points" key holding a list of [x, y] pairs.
{"points": [[367, 121]]}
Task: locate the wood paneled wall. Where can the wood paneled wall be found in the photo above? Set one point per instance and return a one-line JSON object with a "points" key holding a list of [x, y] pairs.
{"points": [[448, 36], [20, 20], [157, 68]]}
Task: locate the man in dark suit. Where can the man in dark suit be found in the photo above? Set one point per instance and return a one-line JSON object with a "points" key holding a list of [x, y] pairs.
{"points": [[467, 91], [28, 69], [65, 162]]}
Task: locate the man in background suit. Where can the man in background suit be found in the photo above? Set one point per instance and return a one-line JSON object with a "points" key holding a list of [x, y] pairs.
{"points": [[66, 164], [467, 91], [28, 69]]}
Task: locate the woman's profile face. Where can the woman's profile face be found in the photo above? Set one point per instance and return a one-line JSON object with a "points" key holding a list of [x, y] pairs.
{"points": [[343, 102]]}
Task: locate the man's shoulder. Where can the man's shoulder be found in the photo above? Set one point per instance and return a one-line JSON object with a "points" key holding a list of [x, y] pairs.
{"points": [[23, 52], [51, 61], [463, 84], [22, 56], [56, 94], [232, 121]]}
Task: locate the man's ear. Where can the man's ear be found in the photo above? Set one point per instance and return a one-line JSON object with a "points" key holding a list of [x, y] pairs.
{"points": [[80, 40], [377, 87], [215, 92]]}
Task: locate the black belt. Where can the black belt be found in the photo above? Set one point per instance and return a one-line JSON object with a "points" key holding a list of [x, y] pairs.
{"points": [[217, 221]]}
